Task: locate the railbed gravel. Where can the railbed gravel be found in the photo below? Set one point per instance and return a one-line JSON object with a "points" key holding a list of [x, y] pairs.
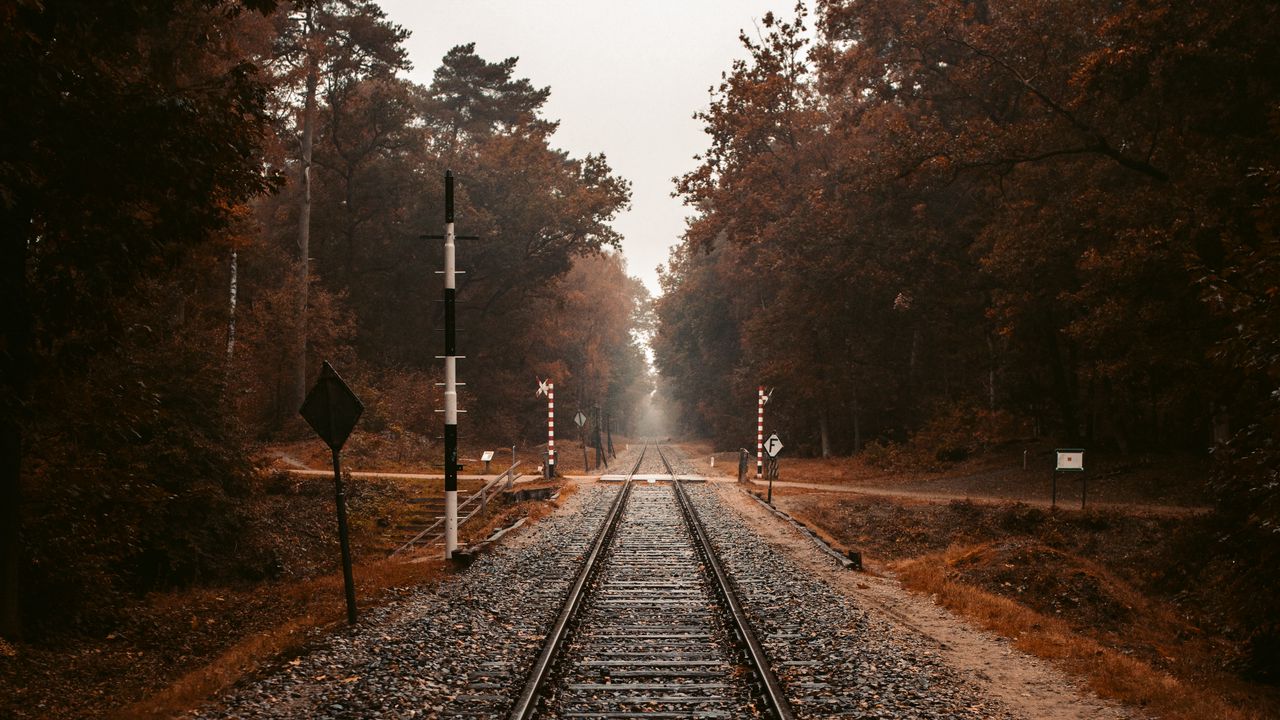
{"points": [[459, 649], [834, 659]]}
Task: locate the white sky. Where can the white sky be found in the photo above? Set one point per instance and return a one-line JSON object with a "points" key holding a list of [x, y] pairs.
{"points": [[626, 77]]}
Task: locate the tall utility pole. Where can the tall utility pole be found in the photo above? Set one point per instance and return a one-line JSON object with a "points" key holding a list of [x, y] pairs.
{"points": [[450, 377], [451, 358], [760, 432]]}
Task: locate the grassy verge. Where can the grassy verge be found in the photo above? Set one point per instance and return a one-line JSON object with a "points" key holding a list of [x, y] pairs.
{"points": [[298, 609], [170, 651], [317, 604], [1123, 600], [1110, 673]]}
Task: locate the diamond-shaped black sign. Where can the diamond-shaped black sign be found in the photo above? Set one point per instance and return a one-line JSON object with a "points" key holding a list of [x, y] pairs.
{"points": [[331, 409]]}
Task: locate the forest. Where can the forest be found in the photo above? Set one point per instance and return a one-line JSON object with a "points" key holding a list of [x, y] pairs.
{"points": [[202, 201], [930, 227], [936, 226]]}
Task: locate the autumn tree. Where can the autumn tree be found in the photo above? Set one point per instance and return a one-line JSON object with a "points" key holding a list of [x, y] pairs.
{"points": [[583, 336], [379, 143], [958, 190], [1030, 98], [331, 47], [130, 133], [535, 210], [697, 342], [1048, 215]]}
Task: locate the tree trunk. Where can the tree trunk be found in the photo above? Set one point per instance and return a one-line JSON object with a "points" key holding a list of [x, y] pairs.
{"points": [[824, 431], [1064, 391], [10, 545], [991, 375], [598, 440], [15, 372], [857, 423], [909, 405], [231, 326], [299, 386]]}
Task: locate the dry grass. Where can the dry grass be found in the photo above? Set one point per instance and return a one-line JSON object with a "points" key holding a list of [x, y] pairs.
{"points": [[170, 651], [1109, 673], [997, 474], [302, 607], [566, 491], [372, 452], [1102, 594]]}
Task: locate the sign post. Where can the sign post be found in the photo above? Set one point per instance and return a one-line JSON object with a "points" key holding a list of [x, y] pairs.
{"points": [[1069, 460], [331, 409], [772, 446], [597, 439], [581, 420]]}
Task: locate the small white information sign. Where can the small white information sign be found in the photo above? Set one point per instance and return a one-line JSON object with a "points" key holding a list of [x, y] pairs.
{"points": [[1071, 459], [486, 456], [773, 445]]}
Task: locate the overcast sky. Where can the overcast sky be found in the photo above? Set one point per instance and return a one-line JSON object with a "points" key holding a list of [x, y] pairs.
{"points": [[626, 77]]}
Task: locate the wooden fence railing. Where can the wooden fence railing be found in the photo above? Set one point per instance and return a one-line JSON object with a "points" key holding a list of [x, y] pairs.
{"points": [[474, 504]]}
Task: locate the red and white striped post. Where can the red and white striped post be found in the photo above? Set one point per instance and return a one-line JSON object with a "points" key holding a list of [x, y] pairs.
{"points": [[548, 388], [760, 433], [551, 429]]}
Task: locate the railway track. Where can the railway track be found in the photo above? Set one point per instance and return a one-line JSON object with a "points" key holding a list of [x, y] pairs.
{"points": [[651, 627], [650, 635]]}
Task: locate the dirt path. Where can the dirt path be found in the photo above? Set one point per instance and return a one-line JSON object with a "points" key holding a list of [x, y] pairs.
{"points": [[1029, 686], [990, 487], [946, 497], [358, 474]]}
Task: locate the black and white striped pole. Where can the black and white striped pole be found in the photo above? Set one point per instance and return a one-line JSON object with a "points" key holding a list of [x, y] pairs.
{"points": [[450, 376], [451, 358]]}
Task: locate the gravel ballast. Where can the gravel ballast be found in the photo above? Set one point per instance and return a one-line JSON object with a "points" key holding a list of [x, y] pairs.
{"points": [[463, 648], [458, 649], [834, 659]]}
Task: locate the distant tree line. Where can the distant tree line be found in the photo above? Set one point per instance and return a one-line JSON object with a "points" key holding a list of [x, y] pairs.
{"points": [[202, 199]]}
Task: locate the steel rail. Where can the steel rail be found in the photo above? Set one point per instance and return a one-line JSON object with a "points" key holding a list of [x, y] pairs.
{"points": [[527, 703], [772, 689], [665, 463]]}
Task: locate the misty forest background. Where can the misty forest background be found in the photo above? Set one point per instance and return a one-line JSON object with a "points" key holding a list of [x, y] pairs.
{"points": [[934, 227]]}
